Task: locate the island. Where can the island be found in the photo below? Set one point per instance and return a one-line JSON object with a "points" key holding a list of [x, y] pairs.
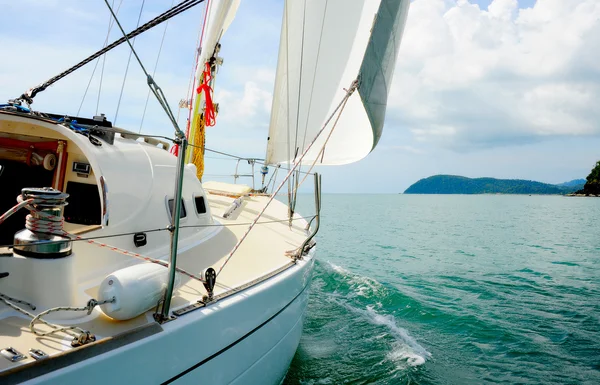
{"points": [[454, 184], [592, 184]]}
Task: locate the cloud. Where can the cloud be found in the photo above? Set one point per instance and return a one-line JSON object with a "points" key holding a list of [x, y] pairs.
{"points": [[247, 107], [469, 78], [409, 149]]}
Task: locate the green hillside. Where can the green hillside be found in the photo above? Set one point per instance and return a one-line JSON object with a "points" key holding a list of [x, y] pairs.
{"points": [[453, 184], [592, 185]]}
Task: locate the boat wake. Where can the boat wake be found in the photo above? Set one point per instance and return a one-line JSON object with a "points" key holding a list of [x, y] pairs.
{"points": [[405, 350], [359, 285]]}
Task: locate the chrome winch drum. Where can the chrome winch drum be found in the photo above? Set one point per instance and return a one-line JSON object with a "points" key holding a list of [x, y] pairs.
{"points": [[38, 244]]}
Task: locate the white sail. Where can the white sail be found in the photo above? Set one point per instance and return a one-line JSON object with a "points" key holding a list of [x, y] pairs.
{"points": [[325, 45], [220, 15]]}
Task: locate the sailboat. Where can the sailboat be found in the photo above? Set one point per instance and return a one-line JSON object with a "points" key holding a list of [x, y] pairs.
{"points": [[172, 278]]}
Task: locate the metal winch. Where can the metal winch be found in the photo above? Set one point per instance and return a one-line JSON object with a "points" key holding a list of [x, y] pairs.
{"points": [[42, 236]]}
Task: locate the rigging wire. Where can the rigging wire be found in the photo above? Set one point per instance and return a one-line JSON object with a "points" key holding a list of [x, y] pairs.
{"points": [[300, 82], [255, 160], [111, 23], [156, 90], [174, 11], [321, 152], [340, 107], [79, 239], [125, 133], [287, 70], [127, 67], [314, 77], [296, 175], [154, 72], [103, 65], [273, 177]]}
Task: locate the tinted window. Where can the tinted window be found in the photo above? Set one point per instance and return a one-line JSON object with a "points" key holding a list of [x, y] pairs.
{"points": [[200, 205], [183, 212], [84, 204]]}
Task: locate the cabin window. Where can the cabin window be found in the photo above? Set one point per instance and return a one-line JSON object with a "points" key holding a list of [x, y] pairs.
{"points": [[170, 204], [200, 205], [83, 206]]}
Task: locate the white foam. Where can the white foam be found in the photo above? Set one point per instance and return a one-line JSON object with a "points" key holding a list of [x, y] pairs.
{"points": [[404, 357], [406, 350], [417, 355], [321, 381], [337, 269], [363, 286]]}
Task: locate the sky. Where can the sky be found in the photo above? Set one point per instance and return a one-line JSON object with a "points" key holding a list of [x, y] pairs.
{"points": [[502, 88]]}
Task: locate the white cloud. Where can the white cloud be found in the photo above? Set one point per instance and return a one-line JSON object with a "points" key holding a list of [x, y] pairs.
{"points": [[466, 79], [469, 78], [247, 108], [409, 149]]}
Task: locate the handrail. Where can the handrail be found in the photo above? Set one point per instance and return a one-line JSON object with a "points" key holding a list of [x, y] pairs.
{"points": [[317, 216], [174, 228]]}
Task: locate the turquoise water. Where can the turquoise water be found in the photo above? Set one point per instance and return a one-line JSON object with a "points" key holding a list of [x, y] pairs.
{"points": [[412, 289]]}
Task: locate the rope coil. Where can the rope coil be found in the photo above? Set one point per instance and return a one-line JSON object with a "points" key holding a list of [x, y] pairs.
{"points": [[78, 338]]}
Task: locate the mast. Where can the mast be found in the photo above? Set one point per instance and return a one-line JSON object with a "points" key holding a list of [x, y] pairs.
{"points": [[219, 15]]}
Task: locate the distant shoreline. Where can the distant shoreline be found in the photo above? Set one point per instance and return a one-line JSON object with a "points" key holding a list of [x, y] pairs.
{"points": [[456, 184], [488, 194]]}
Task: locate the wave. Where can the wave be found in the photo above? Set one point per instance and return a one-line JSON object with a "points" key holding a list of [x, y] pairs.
{"points": [[406, 351], [361, 285], [321, 381], [418, 354]]}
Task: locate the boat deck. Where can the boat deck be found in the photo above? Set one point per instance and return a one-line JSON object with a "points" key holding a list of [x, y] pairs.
{"points": [[263, 253]]}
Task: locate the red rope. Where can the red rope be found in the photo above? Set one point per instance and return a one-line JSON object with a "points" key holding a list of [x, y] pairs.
{"points": [[197, 56], [174, 150], [209, 112]]}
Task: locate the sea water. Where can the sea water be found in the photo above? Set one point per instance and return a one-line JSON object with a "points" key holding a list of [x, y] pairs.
{"points": [[432, 289]]}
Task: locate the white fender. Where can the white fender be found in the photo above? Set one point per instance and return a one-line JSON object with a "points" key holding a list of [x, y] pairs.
{"points": [[136, 289]]}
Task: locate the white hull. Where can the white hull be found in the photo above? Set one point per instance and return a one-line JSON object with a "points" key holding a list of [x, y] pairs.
{"points": [[124, 244], [246, 338]]}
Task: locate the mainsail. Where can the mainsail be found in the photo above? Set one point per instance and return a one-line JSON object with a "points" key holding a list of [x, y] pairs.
{"points": [[325, 45]]}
